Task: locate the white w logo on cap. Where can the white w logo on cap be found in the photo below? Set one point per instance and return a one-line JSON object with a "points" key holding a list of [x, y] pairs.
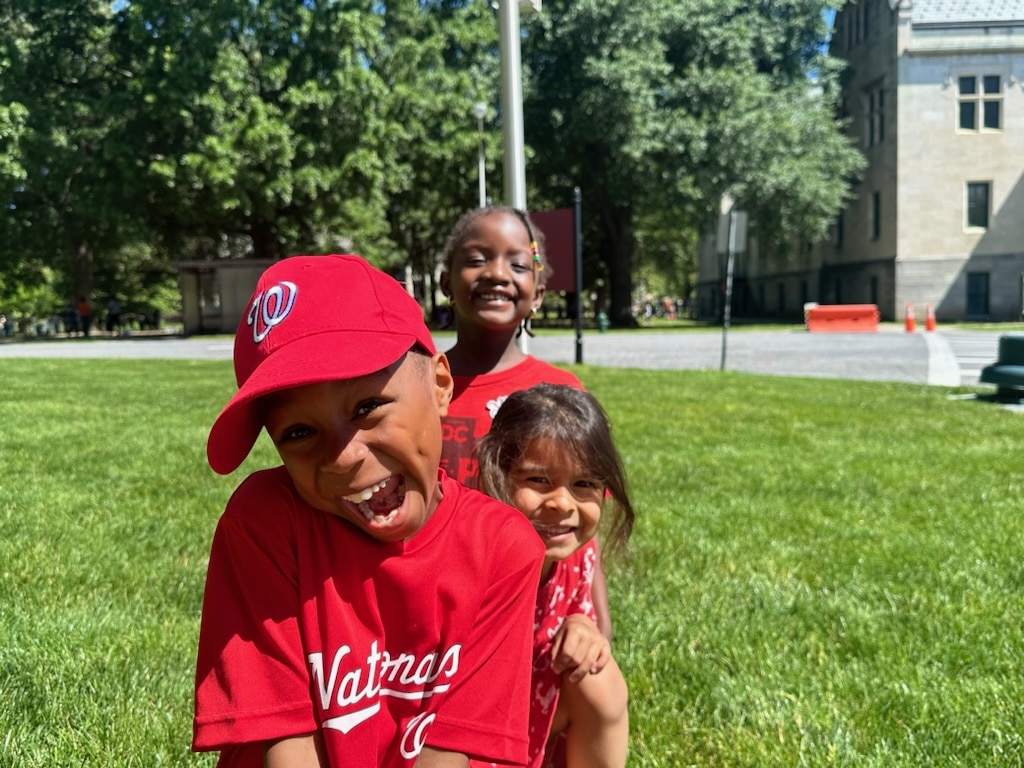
{"points": [[269, 308]]}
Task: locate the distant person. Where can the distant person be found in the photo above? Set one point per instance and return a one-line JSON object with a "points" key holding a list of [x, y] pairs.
{"points": [[71, 325], [362, 608], [550, 454], [495, 273], [84, 315], [113, 315]]}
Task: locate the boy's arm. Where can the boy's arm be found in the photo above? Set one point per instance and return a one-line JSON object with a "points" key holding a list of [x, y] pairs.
{"points": [[433, 758], [298, 752], [252, 683]]}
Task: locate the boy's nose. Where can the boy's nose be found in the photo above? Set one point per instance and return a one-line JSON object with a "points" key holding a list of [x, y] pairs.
{"points": [[344, 454]]}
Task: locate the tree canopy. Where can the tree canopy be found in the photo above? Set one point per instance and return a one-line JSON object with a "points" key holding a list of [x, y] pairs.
{"points": [[658, 108], [138, 133]]}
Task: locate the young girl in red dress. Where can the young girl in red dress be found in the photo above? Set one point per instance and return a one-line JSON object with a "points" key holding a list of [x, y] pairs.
{"points": [[495, 273], [550, 454]]}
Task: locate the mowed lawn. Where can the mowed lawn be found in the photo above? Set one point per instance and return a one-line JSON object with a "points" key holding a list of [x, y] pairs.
{"points": [[822, 573]]}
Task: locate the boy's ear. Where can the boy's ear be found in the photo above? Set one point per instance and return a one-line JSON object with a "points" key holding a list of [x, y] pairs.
{"points": [[446, 283], [444, 384]]}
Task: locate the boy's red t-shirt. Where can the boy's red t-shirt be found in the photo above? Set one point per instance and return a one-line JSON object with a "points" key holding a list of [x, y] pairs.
{"points": [[308, 624]]}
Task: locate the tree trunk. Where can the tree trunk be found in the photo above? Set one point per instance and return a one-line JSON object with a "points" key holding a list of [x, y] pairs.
{"points": [[617, 226], [265, 243], [81, 258]]}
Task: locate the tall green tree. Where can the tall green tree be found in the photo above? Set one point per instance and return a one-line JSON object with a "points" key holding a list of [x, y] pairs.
{"points": [[71, 203], [276, 132], [12, 128], [229, 128], [438, 59], [655, 109], [12, 175]]}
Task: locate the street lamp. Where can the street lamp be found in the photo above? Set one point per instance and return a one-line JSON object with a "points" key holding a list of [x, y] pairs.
{"points": [[480, 110]]}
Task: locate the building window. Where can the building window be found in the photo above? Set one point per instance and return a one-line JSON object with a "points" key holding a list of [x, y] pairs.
{"points": [[980, 102], [978, 204], [874, 132], [876, 216], [977, 294]]}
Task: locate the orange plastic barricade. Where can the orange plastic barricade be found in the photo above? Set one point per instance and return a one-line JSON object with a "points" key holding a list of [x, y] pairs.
{"points": [[842, 318]]}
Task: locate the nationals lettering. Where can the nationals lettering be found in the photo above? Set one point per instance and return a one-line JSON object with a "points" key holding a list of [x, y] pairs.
{"points": [[356, 685]]}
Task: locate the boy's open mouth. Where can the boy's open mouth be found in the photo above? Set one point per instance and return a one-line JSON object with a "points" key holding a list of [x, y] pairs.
{"points": [[377, 503]]}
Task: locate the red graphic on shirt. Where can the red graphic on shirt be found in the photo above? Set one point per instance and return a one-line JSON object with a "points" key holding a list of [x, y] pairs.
{"points": [[457, 455]]}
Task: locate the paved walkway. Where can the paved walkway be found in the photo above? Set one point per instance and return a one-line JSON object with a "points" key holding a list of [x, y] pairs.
{"points": [[917, 358], [942, 358]]}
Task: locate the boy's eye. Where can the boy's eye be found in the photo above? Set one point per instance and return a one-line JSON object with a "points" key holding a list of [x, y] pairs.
{"points": [[518, 267], [366, 407], [293, 433]]}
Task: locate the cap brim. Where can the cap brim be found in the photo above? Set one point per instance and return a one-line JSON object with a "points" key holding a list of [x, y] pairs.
{"points": [[299, 363]]}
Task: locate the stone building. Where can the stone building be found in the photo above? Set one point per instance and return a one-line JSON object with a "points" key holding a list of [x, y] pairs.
{"points": [[934, 96]]}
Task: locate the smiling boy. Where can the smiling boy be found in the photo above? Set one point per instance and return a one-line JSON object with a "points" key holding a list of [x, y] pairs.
{"points": [[361, 608]]}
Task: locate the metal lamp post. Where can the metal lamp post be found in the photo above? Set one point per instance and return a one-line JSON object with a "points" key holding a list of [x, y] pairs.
{"points": [[480, 110]]}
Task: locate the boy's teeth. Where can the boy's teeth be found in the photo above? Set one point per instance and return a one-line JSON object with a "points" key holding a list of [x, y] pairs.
{"points": [[370, 516], [366, 493]]}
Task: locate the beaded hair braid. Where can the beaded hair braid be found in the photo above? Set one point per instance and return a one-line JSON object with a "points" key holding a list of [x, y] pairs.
{"points": [[460, 232]]}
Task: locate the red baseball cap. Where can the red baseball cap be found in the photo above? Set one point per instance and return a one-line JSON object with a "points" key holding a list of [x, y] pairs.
{"points": [[312, 319]]}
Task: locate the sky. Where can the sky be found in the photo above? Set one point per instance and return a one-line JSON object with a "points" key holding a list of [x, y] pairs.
{"points": [[830, 18]]}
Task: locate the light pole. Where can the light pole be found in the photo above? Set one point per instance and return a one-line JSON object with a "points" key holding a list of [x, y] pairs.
{"points": [[512, 101], [480, 110]]}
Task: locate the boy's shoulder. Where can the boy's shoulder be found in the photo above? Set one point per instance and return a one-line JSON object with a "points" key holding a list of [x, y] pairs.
{"points": [[264, 500], [485, 520], [267, 485], [486, 511], [465, 521]]}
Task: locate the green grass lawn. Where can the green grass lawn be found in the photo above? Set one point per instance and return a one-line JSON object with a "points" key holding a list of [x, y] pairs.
{"points": [[823, 572]]}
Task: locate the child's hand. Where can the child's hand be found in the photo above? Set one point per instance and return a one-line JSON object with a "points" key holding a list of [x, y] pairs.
{"points": [[579, 648]]}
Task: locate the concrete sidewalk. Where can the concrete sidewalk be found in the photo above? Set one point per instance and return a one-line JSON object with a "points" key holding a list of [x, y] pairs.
{"points": [[908, 357], [920, 358]]}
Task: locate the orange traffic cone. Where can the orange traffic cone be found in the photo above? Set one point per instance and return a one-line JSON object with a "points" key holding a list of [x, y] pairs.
{"points": [[908, 323], [929, 322]]}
